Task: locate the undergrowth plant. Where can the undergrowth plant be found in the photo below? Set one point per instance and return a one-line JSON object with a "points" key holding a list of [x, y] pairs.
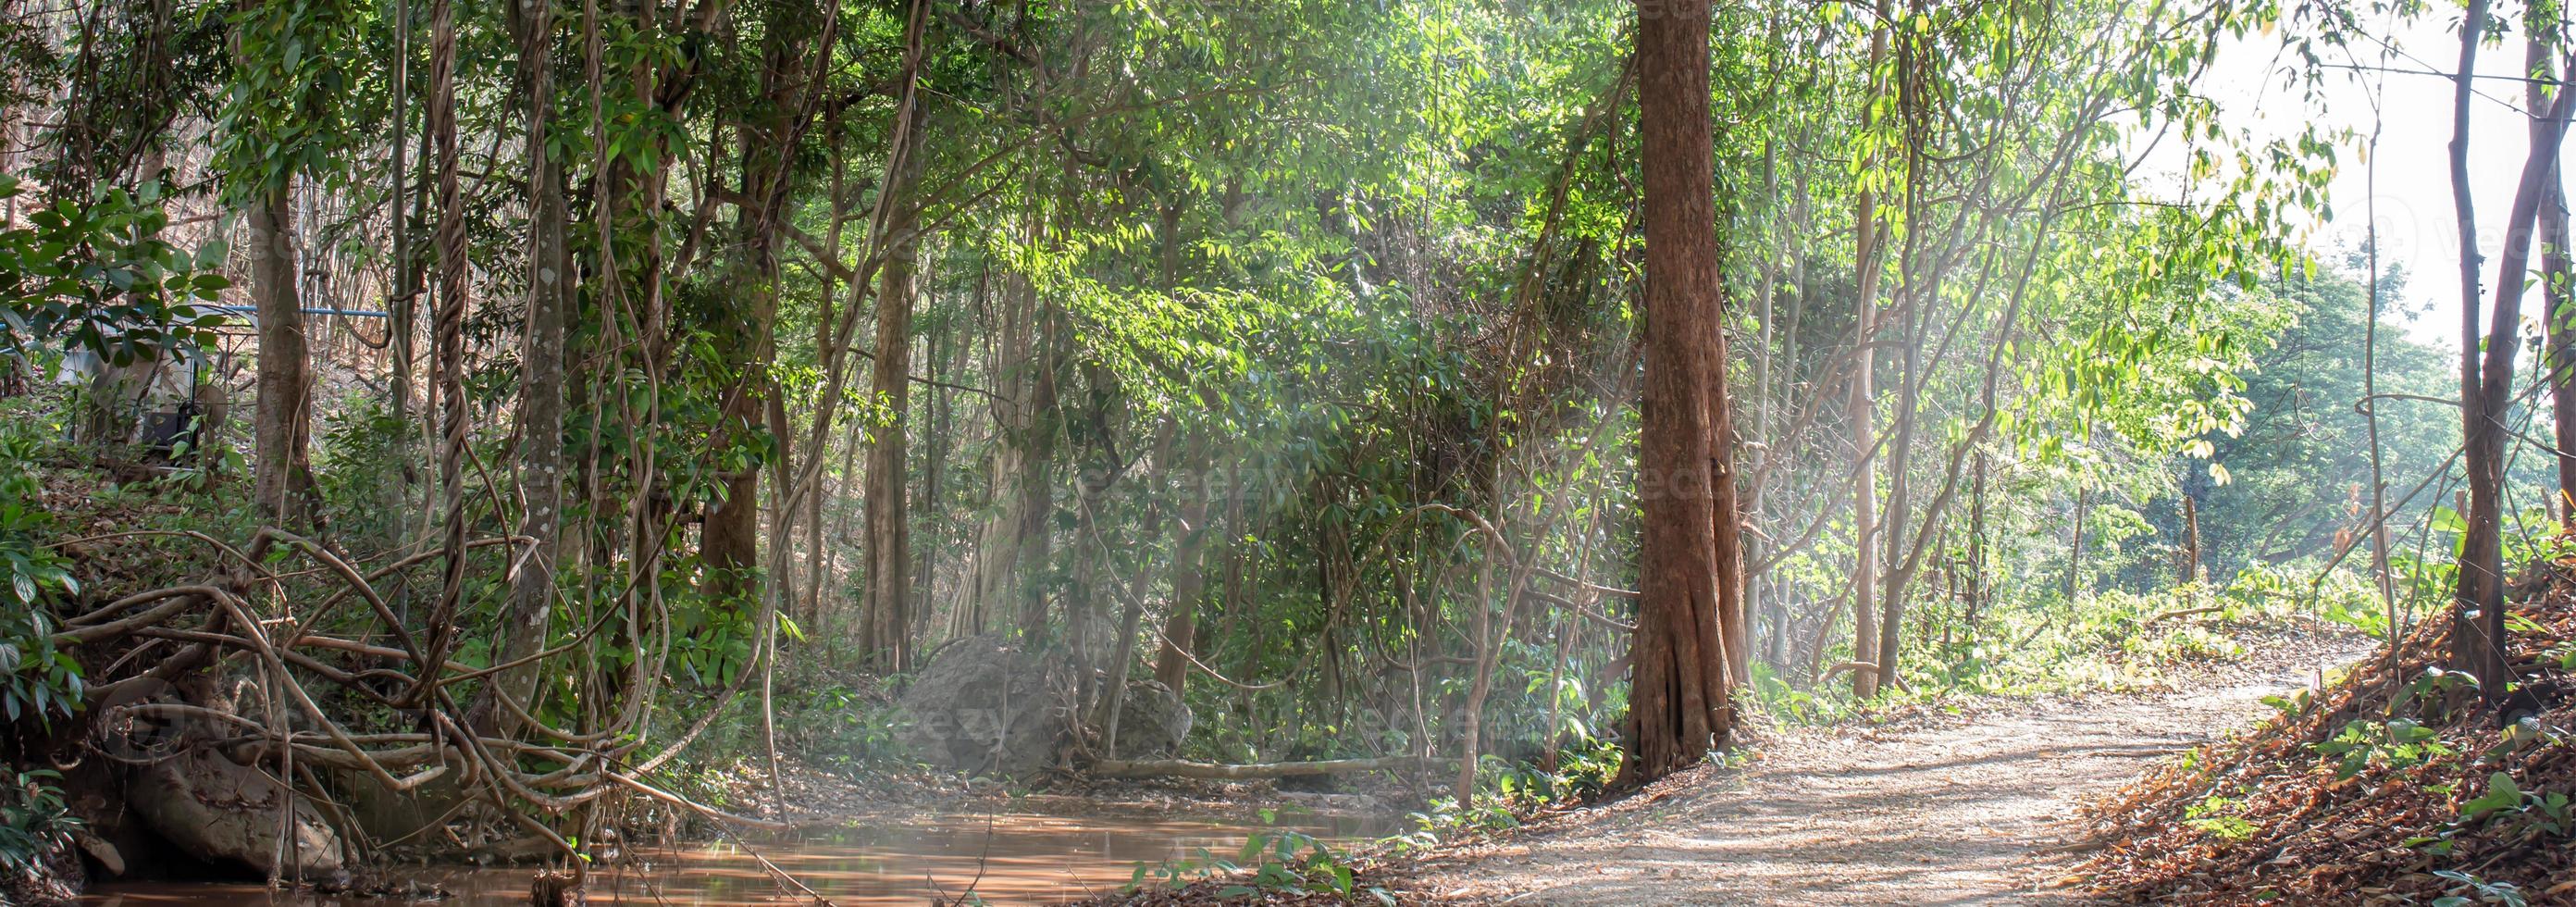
{"points": [[1277, 861], [2395, 743], [34, 821], [2112, 639], [36, 679]]}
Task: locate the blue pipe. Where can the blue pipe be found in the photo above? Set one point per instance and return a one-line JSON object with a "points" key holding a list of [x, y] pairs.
{"points": [[346, 313]]}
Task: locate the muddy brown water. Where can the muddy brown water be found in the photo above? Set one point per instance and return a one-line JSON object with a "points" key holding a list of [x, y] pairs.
{"points": [[1005, 858]]}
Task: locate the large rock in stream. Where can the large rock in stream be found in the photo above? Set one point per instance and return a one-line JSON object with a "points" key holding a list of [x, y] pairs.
{"points": [[1152, 722], [230, 814], [985, 706]]}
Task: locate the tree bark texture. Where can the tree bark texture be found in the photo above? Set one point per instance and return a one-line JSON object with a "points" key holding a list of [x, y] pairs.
{"points": [[1678, 706]]}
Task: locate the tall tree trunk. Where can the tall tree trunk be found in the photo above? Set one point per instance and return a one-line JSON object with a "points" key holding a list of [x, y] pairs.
{"points": [[1900, 488], [940, 350], [2189, 570], [997, 577], [282, 433], [282, 418], [1083, 612], [1725, 516], [820, 556], [886, 630], [1917, 294], [2558, 299], [1861, 406], [1678, 704], [405, 294], [853, 441], [730, 542], [541, 366], [1122, 660], [2481, 556], [2379, 567], [2075, 542], [1036, 479], [1189, 581], [422, 386], [1189, 578], [2486, 364]]}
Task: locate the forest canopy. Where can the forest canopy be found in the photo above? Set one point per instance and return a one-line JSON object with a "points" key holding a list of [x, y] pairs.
{"points": [[574, 399]]}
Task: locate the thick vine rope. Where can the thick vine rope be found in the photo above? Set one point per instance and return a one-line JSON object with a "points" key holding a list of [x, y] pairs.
{"points": [[450, 339]]}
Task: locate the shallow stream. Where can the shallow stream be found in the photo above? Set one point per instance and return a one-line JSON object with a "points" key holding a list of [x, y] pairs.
{"points": [[1005, 858]]}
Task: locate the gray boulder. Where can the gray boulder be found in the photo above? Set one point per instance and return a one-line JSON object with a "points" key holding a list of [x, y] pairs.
{"points": [[986, 707], [1152, 722]]}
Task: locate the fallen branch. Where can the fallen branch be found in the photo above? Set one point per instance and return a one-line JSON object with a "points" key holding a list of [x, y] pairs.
{"points": [[638, 786], [1182, 768], [2186, 612]]}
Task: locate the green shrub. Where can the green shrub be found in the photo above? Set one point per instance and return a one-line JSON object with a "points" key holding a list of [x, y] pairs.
{"points": [[33, 820], [36, 679]]}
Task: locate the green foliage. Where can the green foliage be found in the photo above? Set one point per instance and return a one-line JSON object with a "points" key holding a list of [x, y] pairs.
{"points": [[288, 111], [365, 453], [2215, 815], [2501, 794], [1584, 769], [2232, 828], [1378, 260], [2477, 891], [841, 727], [2533, 812], [714, 639], [36, 679], [2432, 694], [2301, 467], [1784, 700], [1280, 861], [1445, 819], [2112, 639], [98, 276], [34, 821], [2396, 743]]}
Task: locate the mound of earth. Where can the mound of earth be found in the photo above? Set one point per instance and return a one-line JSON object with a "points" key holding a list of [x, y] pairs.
{"points": [[2393, 785]]}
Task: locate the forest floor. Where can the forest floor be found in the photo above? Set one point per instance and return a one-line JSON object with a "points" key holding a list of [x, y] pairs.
{"points": [[1982, 805]]}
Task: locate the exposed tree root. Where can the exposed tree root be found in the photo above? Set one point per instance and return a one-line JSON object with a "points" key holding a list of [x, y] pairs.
{"points": [[245, 618]]}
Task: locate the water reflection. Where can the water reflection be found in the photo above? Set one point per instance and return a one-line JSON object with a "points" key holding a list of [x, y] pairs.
{"points": [[1006, 858]]}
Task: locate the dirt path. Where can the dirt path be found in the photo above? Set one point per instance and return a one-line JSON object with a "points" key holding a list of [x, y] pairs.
{"points": [[1951, 809]]}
